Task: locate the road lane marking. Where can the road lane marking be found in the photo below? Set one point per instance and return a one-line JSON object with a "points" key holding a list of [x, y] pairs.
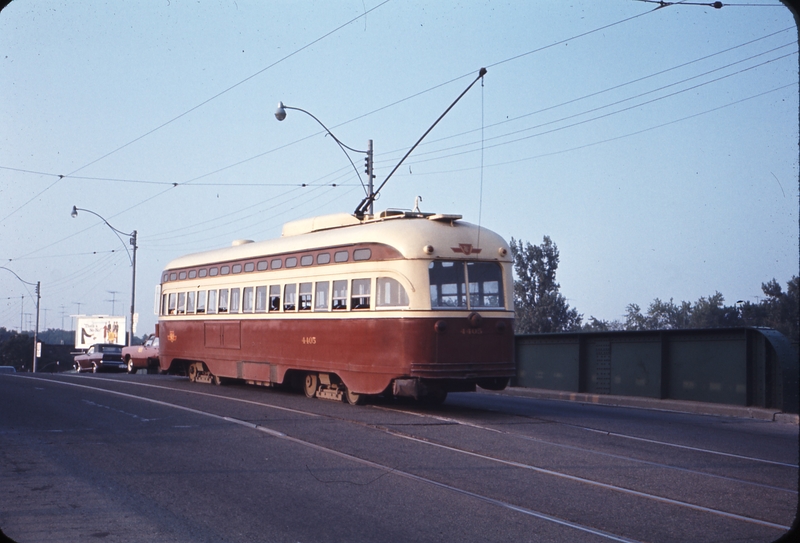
{"points": [[408, 475], [582, 449], [593, 483], [687, 447], [217, 396], [511, 463]]}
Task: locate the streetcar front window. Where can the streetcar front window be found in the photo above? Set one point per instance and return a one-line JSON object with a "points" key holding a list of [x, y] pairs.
{"points": [[452, 281], [448, 285], [485, 284], [391, 293]]}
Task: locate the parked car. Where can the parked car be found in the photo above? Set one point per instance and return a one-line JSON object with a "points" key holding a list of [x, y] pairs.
{"points": [[100, 357], [141, 356]]}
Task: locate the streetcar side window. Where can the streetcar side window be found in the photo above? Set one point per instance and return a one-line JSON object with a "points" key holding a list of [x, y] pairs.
{"points": [[261, 299], [223, 301], [289, 292], [262, 265], [235, 298], [212, 301], [306, 260], [190, 301], [181, 303], [276, 264], [447, 285], [291, 262], [339, 295], [172, 302], [340, 256], [485, 284], [201, 301], [359, 299], [274, 298], [323, 258], [321, 296], [391, 293], [247, 300], [305, 297]]}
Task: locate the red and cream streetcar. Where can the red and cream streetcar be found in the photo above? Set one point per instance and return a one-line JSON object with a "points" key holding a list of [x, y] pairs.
{"points": [[403, 303]]}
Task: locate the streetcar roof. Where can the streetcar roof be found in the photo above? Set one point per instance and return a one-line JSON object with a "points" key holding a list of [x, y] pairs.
{"points": [[408, 232]]}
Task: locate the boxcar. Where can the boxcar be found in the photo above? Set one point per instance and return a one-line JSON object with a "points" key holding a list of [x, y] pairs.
{"points": [[405, 303]]}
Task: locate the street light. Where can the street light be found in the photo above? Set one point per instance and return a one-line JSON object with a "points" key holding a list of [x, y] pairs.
{"points": [[280, 114], [133, 236], [38, 300]]}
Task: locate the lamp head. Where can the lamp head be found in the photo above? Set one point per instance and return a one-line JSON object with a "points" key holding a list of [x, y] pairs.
{"points": [[280, 113], [74, 212]]}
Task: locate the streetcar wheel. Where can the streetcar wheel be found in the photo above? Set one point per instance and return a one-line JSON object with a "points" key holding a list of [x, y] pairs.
{"points": [[310, 385], [353, 398], [192, 373]]}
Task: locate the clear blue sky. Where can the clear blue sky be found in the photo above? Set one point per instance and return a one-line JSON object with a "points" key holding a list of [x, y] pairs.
{"points": [[658, 148]]}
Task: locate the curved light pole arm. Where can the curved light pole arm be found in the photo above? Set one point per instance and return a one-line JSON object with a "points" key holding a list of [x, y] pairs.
{"points": [[38, 285], [133, 241], [74, 214], [280, 114]]}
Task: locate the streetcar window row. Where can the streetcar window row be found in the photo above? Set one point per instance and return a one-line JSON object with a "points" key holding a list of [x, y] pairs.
{"points": [[266, 263], [289, 297]]}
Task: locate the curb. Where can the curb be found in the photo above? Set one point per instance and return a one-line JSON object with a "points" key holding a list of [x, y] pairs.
{"points": [[680, 406]]}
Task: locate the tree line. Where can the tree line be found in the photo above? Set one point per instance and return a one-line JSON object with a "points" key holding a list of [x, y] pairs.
{"points": [[541, 308]]}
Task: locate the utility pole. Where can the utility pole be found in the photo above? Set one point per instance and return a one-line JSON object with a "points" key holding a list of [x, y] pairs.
{"points": [[36, 330]]}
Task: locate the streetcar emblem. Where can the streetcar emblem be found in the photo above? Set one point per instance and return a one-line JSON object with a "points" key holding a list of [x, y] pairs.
{"points": [[466, 248], [172, 337]]}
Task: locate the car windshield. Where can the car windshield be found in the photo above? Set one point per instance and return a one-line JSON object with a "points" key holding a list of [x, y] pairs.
{"points": [[110, 349]]}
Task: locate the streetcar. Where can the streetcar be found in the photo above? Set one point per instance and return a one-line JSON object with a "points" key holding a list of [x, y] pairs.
{"points": [[344, 307]]}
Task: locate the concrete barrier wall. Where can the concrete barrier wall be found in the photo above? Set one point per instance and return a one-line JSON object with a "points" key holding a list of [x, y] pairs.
{"points": [[739, 366]]}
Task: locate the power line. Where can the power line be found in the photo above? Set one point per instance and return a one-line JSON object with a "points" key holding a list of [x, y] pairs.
{"points": [[198, 106]]}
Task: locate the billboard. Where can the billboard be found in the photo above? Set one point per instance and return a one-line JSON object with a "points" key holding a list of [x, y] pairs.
{"points": [[99, 329]]}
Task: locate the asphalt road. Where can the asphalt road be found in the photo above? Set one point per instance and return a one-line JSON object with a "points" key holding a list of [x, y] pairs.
{"points": [[118, 458]]}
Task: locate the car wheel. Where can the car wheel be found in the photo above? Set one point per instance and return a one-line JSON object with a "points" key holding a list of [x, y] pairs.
{"points": [[131, 368], [94, 368]]}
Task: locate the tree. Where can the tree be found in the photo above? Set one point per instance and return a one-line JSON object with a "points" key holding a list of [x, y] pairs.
{"points": [[539, 306]]}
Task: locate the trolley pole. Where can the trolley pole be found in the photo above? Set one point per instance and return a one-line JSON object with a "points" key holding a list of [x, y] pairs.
{"points": [[133, 287]]}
